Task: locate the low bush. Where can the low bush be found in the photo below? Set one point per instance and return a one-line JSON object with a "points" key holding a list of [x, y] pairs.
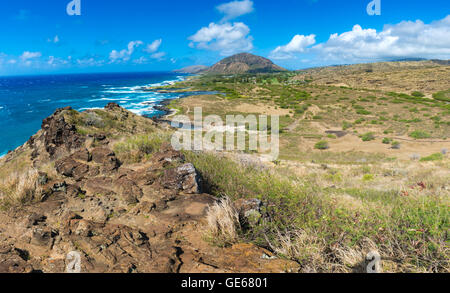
{"points": [[387, 140], [419, 134], [433, 157], [322, 145], [368, 136]]}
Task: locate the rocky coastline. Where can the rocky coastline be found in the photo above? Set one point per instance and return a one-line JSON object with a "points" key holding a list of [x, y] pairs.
{"points": [[82, 196]]}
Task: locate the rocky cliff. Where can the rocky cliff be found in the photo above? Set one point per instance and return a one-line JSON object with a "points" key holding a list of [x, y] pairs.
{"points": [[67, 190]]}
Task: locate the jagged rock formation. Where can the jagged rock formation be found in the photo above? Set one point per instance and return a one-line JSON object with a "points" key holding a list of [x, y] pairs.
{"points": [[244, 63], [144, 217]]}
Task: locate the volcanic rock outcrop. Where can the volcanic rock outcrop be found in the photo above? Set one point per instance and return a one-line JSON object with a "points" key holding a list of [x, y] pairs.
{"points": [[143, 217]]}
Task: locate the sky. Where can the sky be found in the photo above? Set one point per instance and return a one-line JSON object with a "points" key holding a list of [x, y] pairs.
{"points": [[40, 37]]}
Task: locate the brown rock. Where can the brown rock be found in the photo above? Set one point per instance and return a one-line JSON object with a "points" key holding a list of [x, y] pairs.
{"points": [[42, 236], [183, 178], [75, 191], [71, 168], [166, 157], [249, 211], [112, 106], [128, 190], [99, 186], [82, 155], [59, 135], [35, 219], [106, 158]]}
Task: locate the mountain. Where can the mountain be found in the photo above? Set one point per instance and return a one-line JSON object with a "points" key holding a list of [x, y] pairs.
{"points": [[192, 69], [244, 63]]}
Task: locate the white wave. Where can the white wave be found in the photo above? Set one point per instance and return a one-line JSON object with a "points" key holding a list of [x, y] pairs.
{"points": [[142, 111], [123, 92], [110, 99], [91, 108]]}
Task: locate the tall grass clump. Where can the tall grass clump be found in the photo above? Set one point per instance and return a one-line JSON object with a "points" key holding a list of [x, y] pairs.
{"points": [[19, 188], [223, 223], [140, 148]]}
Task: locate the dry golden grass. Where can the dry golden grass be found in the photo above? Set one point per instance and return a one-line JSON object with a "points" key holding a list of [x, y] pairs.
{"points": [[223, 222], [19, 188], [425, 76]]}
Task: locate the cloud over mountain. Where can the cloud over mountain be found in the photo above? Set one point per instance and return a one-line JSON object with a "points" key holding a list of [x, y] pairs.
{"points": [[226, 38], [407, 39], [235, 9], [298, 44]]}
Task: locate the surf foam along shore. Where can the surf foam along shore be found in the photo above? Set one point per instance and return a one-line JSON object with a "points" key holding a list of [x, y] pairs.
{"points": [[135, 99], [25, 101]]}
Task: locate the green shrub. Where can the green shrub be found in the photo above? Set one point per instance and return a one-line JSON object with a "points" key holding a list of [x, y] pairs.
{"points": [[363, 112], [419, 134], [346, 125], [368, 136], [387, 140], [395, 145], [433, 157], [368, 177], [322, 145], [442, 96], [417, 94]]}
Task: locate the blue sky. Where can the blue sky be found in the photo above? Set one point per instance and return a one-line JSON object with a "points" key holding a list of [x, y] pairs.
{"points": [[136, 35]]}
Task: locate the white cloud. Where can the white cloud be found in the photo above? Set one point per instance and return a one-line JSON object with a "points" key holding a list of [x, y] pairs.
{"points": [[225, 38], [125, 54], [407, 39], [158, 55], [55, 40], [235, 9], [88, 62], [56, 61], [30, 55], [153, 47], [141, 60], [51, 60], [298, 44]]}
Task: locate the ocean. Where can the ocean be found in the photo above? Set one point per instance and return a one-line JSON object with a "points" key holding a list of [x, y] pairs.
{"points": [[26, 100]]}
